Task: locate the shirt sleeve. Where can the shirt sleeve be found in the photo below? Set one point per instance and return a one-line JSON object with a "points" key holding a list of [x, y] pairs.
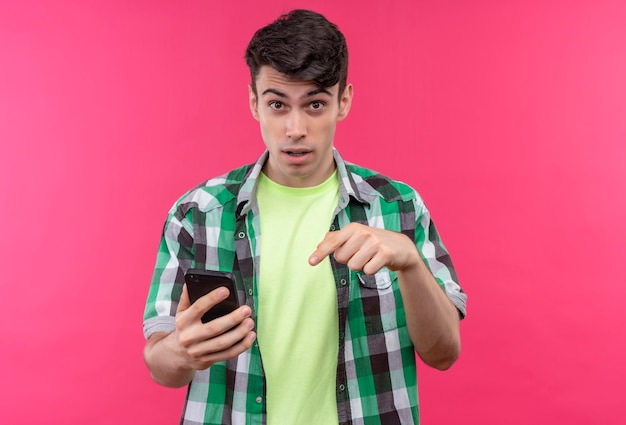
{"points": [[437, 258], [175, 254]]}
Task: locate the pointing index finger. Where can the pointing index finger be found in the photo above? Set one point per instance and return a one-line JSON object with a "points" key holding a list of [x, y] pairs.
{"points": [[327, 246]]}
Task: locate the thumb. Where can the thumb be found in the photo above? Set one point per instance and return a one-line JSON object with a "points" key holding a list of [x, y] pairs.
{"points": [[184, 302]]}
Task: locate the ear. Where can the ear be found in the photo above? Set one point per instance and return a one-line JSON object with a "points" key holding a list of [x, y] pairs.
{"points": [[345, 102], [253, 102]]}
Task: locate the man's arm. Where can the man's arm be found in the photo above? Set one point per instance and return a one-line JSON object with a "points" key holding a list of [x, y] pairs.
{"points": [[174, 357], [432, 319]]}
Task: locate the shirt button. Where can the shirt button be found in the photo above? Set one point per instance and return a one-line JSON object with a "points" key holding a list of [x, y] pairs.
{"points": [[249, 291], [332, 227], [343, 282], [259, 399], [342, 387], [241, 235]]}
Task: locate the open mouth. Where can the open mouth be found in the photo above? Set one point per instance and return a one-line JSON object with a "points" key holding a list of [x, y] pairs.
{"points": [[291, 153]]}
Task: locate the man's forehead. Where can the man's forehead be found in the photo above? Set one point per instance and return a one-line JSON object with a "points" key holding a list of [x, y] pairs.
{"points": [[295, 93], [271, 81]]}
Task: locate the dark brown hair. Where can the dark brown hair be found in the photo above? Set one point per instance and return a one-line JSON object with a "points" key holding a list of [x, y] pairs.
{"points": [[304, 46]]}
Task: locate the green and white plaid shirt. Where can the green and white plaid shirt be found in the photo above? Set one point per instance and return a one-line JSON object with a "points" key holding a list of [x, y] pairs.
{"points": [[216, 226]]}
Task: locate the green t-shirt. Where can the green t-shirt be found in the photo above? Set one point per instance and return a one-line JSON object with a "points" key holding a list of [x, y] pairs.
{"points": [[297, 322]]}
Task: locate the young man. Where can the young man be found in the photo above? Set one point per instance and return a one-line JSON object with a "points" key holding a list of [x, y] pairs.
{"points": [[340, 272]]}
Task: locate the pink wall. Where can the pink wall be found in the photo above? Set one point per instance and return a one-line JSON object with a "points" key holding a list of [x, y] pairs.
{"points": [[508, 116]]}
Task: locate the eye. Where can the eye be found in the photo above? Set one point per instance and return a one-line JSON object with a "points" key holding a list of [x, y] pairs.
{"points": [[317, 105], [276, 105]]}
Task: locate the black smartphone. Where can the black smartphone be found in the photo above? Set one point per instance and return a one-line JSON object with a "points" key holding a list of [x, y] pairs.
{"points": [[201, 282]]}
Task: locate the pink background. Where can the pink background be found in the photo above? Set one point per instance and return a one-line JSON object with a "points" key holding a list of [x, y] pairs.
{"points": [[508, 116]]}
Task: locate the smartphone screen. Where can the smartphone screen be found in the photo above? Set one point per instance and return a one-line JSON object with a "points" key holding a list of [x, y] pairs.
{"points": [[201, 282]]}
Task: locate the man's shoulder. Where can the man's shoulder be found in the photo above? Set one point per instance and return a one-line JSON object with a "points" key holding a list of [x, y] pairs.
{"points": [[372, 183], [216, 192]]}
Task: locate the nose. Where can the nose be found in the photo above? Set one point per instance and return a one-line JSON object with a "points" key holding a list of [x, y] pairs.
{"points": [[295, 126]]}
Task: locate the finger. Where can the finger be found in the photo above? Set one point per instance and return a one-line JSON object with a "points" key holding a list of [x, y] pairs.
{"points": [[195, 332], [224, 342], [184, 302], [373, 265], [229, 336], [184, 315], [227, 322], [328, 245], [243, 345], [355, 256], [208, 301]]}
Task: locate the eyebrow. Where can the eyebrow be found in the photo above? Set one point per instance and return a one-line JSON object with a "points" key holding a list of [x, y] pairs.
{"points": [[308, 94]]}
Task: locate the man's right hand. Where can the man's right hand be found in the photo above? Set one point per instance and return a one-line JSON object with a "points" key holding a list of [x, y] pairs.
{"points": [[173, 358]]}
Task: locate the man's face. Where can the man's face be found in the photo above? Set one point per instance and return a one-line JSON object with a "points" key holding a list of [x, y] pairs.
{"points": [[298, 121]]}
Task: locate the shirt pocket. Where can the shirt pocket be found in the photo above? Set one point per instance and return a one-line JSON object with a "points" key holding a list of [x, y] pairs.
{"points": [[377, 301], [380, 281]]}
